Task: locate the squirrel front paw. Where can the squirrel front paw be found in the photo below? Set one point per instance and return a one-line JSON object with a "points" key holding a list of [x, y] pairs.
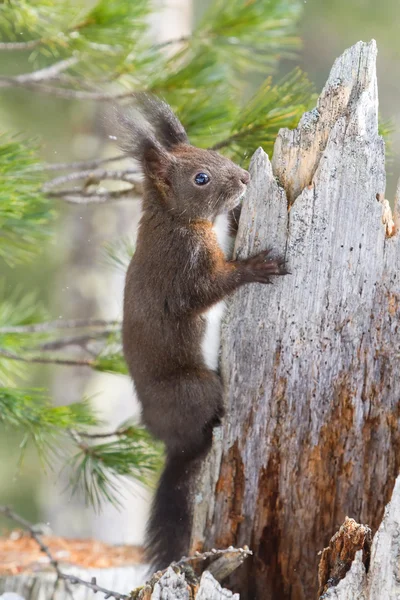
{"points": [[259, 268]]}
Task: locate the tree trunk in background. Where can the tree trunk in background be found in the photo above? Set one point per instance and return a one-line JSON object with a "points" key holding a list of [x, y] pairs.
{"points": [[311, 364]]}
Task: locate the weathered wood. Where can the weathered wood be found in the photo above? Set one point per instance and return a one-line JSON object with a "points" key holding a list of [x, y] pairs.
{"points": [[172, 585], [311, 363], [41, 584], [337, 558], [383, 579]]}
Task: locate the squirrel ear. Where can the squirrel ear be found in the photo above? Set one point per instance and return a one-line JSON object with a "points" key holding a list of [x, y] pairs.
{"points": [[156, 163], [168, 129]]}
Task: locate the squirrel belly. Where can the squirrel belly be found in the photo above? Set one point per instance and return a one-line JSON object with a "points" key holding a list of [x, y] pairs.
{"points": [[213, 316]]}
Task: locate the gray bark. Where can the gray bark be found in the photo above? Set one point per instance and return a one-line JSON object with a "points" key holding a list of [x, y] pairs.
{"points": [[310, 364]]}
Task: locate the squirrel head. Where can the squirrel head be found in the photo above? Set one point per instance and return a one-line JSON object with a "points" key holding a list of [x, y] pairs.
{"points": [[187, 181]]}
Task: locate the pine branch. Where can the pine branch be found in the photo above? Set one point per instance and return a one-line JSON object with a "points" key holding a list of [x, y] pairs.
{"points": [[79, 196], [68, 93], [93, 176], [39, 75], [28, 411], [85, 164], [93, 436], [12, 46], [51, 326], [80, 341], [25, 213], [37, 536], [96, 468], [180, 40], [48, 361]]}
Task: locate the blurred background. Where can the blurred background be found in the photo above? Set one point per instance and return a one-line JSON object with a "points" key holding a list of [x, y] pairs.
{"points": [[72, 276]]}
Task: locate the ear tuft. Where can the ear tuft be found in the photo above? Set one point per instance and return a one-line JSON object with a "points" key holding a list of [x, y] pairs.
{"points": [[136, 138], [131, 132], [168, 129]]}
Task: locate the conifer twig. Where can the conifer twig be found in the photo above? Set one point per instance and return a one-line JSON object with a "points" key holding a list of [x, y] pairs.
{"points": [[81, 340], [92, 176], [36, 535], [60, 92], [49, 326], [11, 46], [116, 432], [79, 196], [84, 164], [48, 361], [40, 75]]}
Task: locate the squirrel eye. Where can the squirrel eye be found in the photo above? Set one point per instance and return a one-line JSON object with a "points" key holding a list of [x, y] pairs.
{"points": [[201, 179]]}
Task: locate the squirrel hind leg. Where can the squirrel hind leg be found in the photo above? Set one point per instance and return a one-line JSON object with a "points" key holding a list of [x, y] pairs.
{"points": [[182, 411]]}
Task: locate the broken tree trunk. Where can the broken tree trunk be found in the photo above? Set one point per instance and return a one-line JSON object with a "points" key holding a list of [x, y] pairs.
{"points": [[374, 574], [310, 364]]}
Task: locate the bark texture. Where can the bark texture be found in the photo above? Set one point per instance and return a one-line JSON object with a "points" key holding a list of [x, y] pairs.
{"points": [[338, 557], [383, 578], [310, 364]]}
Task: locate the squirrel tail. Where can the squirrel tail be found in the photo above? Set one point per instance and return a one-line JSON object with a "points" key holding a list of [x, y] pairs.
{"points": [[169, 527]]}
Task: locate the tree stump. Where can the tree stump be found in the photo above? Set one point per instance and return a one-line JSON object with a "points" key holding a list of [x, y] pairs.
{"points": [[311, 363], [380, 578]]}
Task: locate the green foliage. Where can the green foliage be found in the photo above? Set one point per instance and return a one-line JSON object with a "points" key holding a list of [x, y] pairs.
{"points": [[25, 212], [108, 30], [249, 35], [96, 469], [205, 77], [111, 362], [15, 310], [272, 107], [58, 433], [33, 414]]}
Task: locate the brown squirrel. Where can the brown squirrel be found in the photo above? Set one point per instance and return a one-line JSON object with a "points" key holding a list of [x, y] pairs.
{"points": [[178, 273]]}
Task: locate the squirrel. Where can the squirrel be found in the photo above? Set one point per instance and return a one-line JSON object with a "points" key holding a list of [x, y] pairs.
{"points": [[175, 286]]}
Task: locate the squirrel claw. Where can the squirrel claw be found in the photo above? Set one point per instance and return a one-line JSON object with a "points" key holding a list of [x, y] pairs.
{"points": [[260, 268]]}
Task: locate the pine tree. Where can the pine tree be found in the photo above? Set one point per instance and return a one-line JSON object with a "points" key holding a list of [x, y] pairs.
{"points": [[102, 54]]}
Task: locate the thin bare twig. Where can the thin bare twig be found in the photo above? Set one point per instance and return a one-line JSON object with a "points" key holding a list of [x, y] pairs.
{"points": [[40, 75], [117, 432], [29, 45], [84, 164], [49, 326], [181, 40], [81, 340], [60, 92], [48, 361], [11, 46], [214, 553], [93, 176], [78, 196], [54, 563]]}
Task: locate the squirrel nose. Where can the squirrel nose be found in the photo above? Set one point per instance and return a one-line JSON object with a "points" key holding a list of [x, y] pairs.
{"points": [[245, 177]]}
